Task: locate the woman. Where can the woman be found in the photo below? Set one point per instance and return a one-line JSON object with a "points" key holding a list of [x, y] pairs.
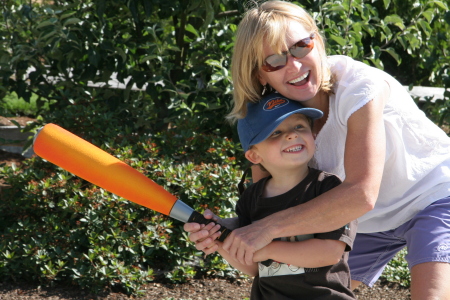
{"points": [[394, 162]]}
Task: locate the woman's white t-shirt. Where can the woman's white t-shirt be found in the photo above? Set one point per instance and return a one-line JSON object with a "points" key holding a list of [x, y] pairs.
{"points": [[417, 165]]}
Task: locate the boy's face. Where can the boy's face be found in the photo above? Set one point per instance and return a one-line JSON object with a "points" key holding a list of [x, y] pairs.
{"points": [[290, 145]]}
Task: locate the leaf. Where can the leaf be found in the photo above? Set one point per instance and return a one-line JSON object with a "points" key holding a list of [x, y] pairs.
{"points": [[214, 63], [72, 21], [440, 4], [66, 15], [330, 7], [122, 53], [412, 40], [341, 41], [209, 14], [394, 54], [425, 27], [377, 63], [45, 23], [396, 20], [386, 3], [357, 28], [148, 57], [191, 29], [428, 14], [193, 5]]}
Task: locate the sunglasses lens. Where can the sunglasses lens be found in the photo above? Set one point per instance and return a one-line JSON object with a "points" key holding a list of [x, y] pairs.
{"points": [[299, 50], [274, 62], [302, 48]]}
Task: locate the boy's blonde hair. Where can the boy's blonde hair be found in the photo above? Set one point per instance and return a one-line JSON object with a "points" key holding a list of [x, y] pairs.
{"points": [[267, 23]]}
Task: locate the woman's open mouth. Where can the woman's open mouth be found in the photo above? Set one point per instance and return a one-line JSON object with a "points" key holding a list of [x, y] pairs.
{"points": [[300, 80]]}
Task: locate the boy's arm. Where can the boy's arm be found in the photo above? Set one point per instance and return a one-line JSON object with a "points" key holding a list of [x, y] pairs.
{"points": [[312, 253], [251, 270]]}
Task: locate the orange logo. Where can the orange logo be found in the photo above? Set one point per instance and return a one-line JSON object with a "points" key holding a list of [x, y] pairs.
{"points": [[275, 103]]}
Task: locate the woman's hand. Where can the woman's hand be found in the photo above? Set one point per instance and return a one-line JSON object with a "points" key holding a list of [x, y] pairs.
{"points": [[243, 242]]}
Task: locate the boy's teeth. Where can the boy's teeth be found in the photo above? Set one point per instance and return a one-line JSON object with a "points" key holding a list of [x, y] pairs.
{"points": [[298, 148], [300, 78]]}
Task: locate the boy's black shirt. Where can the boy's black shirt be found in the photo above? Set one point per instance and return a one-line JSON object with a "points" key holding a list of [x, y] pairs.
{"points": [[331, 282]]}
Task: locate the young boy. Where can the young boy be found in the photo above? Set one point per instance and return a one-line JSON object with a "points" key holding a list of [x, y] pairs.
{"points": [[277, 135]]}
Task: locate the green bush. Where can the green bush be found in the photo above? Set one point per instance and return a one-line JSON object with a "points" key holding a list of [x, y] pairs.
{"points": [[178, 52], [11, 105], [59, 228], [397, 270]]}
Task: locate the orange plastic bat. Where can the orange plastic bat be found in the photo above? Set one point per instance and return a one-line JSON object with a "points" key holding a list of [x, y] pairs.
{"points": [[91, 163]]}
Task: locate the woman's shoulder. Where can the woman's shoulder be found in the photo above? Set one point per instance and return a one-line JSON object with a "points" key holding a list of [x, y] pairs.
{"points": [[355, 85], [347, 70]]}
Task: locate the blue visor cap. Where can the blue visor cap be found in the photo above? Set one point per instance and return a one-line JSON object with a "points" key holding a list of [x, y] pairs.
{"points": [[264, 117]]}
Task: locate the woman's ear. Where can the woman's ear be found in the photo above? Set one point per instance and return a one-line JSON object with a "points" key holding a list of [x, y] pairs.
{"points": [[253, 156]]}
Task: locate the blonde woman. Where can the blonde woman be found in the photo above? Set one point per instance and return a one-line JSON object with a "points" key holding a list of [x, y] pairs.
{"points": [[394, 162]]}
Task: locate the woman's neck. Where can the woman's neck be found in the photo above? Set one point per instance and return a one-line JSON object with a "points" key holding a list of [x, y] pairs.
{"points": [[322, 102]]}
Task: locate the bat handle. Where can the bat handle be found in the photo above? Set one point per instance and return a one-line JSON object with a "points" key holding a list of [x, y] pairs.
{"points": [[197, 217]]}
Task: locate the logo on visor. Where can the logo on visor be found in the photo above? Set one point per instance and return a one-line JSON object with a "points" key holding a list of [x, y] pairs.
{"points": [[275, 103]]}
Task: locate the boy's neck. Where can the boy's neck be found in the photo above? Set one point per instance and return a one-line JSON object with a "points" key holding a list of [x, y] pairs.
{"points": [[282, 182]]}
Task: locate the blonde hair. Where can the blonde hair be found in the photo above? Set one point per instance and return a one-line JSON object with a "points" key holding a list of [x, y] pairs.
{"points": [[267, 23]]}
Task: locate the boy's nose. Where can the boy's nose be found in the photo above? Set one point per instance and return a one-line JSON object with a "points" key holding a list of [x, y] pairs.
{"points": [[291, 135]]}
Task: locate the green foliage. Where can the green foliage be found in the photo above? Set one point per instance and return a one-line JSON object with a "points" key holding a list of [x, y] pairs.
{"points": [[397, 270], [178, 52], [407, 38], [58, 228], [11, 105], [438, 110]]}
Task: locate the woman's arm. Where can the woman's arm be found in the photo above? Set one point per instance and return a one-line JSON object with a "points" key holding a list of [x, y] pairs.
{"points": [[251, 270], [312, 253], [363, 162]]}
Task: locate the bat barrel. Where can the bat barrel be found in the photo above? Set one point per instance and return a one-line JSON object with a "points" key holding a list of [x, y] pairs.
{"points": [[91, 163]]}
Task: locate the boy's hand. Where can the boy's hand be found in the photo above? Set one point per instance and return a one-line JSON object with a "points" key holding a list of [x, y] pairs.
{"points": [[204, 236]]}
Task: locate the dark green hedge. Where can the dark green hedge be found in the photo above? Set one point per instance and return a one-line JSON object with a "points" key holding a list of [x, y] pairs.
{"points": [[59, 228]]}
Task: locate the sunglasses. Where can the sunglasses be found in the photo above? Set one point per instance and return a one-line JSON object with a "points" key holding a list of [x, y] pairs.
{"points": [[298, 50]]}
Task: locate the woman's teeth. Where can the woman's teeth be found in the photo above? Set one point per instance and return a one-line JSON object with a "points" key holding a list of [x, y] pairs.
{"points": [[299, 78]]}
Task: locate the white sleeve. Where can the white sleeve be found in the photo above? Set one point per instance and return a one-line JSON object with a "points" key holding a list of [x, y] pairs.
{"points": [[356, 85]]}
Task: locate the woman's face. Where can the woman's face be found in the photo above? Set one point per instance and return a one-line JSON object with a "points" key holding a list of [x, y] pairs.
{"points": [[300, 78]]}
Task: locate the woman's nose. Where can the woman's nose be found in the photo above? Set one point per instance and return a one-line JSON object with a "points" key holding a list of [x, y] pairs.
{"points": [[293, 62]]}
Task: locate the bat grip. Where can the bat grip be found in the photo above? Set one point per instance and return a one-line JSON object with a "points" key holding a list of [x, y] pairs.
{"points": [[197, 217]]}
